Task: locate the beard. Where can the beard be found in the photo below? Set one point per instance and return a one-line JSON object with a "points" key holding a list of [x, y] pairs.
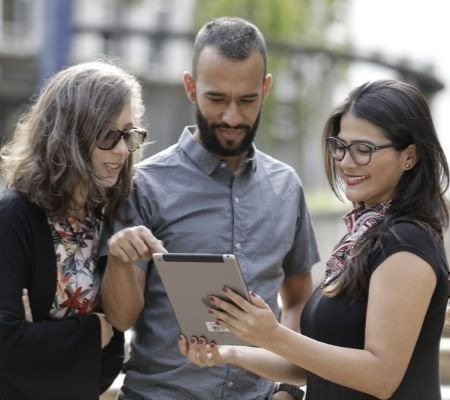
{"points": [[210, 141]]}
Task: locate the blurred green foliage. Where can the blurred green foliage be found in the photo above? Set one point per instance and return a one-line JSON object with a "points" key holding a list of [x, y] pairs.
{"points": [[284, 20], [298, 88]]}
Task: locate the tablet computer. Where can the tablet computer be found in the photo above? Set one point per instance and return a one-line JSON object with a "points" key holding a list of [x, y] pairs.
{"points": [[189, 279]]}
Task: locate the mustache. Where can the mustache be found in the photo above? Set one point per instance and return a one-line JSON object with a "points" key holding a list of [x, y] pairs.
{"points": [[226, 126]]}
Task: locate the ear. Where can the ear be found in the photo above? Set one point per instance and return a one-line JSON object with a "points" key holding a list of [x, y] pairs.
{"points": [[189, 87], [267, 83], [411, 156]]}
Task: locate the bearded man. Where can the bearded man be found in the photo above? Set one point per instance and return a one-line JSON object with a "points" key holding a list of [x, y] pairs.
{"points": [[212, 192]]}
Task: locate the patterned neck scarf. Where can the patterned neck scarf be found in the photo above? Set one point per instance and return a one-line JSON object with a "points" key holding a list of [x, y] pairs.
{"points": [[357, 222]]}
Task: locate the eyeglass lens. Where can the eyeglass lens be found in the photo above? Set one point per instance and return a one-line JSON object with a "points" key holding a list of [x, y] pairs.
{"points": [[133, 139], [361, 153]]}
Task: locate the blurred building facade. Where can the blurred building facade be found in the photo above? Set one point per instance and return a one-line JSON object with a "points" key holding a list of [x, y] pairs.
{"points": [[153, 39], [18, 50], [148, 37]]}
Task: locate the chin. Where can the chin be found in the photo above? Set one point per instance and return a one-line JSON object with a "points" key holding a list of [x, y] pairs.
{"points": [[352, 198], [109, 182]]}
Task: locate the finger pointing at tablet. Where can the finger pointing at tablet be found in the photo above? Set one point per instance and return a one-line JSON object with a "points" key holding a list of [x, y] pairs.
{"points": [[135, 243]]}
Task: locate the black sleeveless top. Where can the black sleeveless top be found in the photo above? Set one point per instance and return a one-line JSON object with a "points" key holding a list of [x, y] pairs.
{"points": [[340, 321]]}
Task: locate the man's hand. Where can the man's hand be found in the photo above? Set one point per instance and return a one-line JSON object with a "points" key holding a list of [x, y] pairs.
{"points": [[133, 244]]}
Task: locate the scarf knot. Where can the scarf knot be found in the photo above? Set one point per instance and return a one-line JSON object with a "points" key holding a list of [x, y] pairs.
{"points": [[357, 221]]}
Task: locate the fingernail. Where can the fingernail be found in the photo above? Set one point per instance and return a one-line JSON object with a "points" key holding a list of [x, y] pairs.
{"points": [[193, 340], [180, 339], [252, 293], [225, 289], [211, 299]]}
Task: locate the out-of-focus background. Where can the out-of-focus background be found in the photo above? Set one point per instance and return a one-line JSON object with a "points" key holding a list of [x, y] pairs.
{"points": [[318, 51]]}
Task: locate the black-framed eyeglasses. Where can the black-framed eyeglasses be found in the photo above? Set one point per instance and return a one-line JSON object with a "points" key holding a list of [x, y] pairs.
{"points": [[360, 152], [133, 137]]}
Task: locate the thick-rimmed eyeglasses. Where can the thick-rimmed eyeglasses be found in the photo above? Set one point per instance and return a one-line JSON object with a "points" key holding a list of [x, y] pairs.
{"points": [[360, 152], [133, 137]]}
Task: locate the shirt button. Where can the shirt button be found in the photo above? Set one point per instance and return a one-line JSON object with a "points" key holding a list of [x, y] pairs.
{"points": [[223, 164], [236, 199], [238, 246], [230, 384]]}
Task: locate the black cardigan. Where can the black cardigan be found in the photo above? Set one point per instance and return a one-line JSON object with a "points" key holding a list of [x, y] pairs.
{"points": [[47, 359]]}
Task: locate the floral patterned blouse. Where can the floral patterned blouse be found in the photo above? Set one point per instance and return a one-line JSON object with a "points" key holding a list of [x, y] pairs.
{"points": [[78, 279]]}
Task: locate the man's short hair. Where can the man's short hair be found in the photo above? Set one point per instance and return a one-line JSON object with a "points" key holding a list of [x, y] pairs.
{"points": [[233, 37]]}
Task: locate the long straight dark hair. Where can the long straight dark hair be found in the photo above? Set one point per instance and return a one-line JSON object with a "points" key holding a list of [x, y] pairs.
{"points": [[402, 113]]}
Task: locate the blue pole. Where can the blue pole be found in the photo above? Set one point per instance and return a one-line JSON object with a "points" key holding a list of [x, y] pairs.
{"points": [[56, 37]]}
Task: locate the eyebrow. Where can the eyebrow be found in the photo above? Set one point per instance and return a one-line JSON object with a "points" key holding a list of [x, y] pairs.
{"points": [[221, 94], [128, 125], [362, 141], [250, 96], [213, 93]]}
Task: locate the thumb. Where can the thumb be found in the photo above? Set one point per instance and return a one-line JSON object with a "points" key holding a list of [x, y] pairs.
{"points": [[257, 300]]}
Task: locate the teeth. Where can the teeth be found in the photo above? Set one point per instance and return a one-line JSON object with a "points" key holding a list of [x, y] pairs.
{"points": [[113, 165], [355, 179]]}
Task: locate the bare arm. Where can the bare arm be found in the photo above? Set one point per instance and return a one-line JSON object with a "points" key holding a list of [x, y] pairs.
{"points": [[254, 359], [122, 293], [123, 283], [294, 293], [399, 295]]}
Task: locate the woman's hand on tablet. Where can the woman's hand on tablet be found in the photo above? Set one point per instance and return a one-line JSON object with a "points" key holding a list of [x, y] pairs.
{"points": [[252, 322]]}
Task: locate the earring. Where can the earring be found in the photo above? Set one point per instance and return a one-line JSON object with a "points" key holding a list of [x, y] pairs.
{"points": [[407, 166]]}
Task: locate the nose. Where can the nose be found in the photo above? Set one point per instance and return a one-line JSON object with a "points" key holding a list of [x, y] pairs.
{"points": [[121, 147], [232, 115], [348, 159]]}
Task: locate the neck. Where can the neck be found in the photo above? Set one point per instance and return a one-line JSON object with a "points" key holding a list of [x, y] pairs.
{"points": [[234, 162]]}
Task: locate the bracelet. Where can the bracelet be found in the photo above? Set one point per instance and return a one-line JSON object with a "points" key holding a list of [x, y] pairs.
{"points": [[293, 390]]}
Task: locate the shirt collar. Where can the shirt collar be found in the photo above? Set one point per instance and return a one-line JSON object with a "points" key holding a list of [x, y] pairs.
{"points": [[206, 161]]}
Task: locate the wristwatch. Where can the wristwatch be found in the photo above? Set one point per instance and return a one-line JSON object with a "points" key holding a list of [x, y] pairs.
{"points": [[293, 390]]}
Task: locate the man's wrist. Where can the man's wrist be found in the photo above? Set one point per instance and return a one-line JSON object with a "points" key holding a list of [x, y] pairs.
{"points": [[293, 390]]}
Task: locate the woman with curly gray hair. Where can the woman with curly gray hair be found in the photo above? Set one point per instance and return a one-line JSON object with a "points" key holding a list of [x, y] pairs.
{"points": [[67, 169]]}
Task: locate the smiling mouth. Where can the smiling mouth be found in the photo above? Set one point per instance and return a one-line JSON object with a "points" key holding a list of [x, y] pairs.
{"points": [[113, 167], [354, 180]]}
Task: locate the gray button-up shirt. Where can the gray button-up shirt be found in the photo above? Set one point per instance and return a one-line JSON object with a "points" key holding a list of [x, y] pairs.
{"points": [[194, 204]]}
